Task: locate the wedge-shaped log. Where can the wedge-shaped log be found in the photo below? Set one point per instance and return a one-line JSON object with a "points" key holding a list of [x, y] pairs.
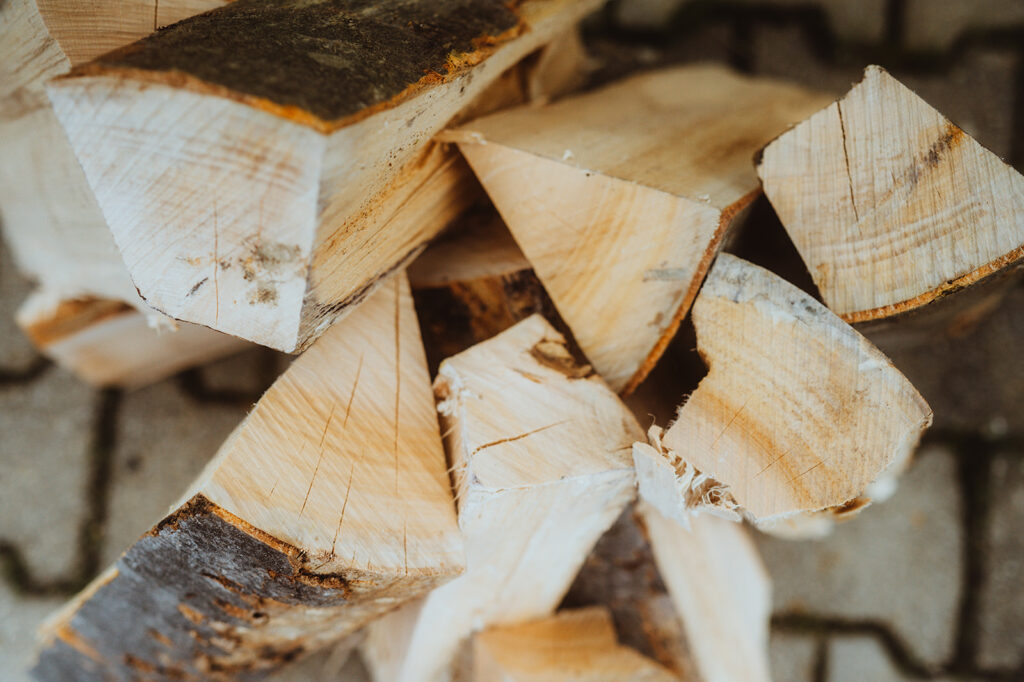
{"points": [[327, 506], [472, 284], [110, 343], [251, 162], [50, 219], [721, 591], [890, 204], [539, 446], [798, 414], [578, 645], [620, 197]]}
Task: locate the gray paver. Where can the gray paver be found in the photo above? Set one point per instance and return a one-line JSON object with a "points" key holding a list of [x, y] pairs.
{"points": [[16, 350], [792, 657], [864, 569], [1002, 596]]}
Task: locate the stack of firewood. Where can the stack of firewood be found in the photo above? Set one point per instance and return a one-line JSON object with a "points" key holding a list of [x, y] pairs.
{"points": [[321, 178]]}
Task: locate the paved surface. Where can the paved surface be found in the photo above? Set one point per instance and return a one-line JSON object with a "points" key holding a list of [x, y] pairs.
{"points": [[929, 585]]}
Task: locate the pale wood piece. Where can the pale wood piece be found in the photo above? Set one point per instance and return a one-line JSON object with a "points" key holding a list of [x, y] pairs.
{"points": [[326, 178], [576, 645], [620, 197], [539, 449], [51, 221], [326, 507], [890, 204], [798, 414], [721, 591], [110, 343]]}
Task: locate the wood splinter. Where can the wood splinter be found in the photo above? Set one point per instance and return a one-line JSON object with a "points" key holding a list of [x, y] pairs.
{"points": [[571, 646], [328, 506], [540, 450], [620, 198], [264, 166], [890, 204], [800, 419]]}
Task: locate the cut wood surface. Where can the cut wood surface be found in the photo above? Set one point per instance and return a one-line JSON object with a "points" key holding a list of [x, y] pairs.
{"points": [[890, 204], [720, 590], [110, 343], [326, 507], [472, 284], [798, 413], [51, 221], [578, 645], [619, 197], [539, 448], [317, 141]]}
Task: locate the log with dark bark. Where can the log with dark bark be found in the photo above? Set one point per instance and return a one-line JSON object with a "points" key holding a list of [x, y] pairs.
{"points": [[328, 506], [313, 121]]}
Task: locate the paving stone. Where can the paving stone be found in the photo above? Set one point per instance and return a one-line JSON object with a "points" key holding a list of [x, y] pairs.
{"points": [[855, 659], [862, 21], [973, 377], [340, 665], [164, 439], [16, 350], [19, 620], [1002, 597], [936, 24], [898, 562], [44, 453], [792, 657], [783, 52]]}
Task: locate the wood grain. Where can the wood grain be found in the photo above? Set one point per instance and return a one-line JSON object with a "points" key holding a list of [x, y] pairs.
{"points": [[620, 197], [890, 204]]}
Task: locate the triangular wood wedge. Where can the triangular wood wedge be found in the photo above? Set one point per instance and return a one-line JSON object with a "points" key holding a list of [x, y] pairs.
{"points": [[327, 506], [263, 184], [540, 450], [720, 589], [578, 646], [620, 197], [798, 414], [110, 343], [890, 204], [51, 221], [472, 284]]}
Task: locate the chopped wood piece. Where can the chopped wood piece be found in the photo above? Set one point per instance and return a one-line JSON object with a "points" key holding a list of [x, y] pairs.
{"points": [[327, 506], [539, 449], [472, 284], [721, 591], [325, 177], [571, 645], [51, 222], [619, 197], [110, 343], [798, 413], [890, 204]]}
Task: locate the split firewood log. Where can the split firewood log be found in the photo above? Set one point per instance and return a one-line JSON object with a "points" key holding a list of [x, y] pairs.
{"points": [[473, 283], [328, 506], [111, 343], [539, 448], [620, 197], [264, 166], [720, 590], [579, 645], [890, 204], [800, 419]]}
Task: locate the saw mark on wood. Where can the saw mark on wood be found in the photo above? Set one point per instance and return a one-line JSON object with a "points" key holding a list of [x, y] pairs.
{"points": [[319, 459], [520, 436], [846, 158]]}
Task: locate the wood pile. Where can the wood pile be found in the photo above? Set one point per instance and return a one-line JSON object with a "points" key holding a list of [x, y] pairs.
{"points": [[476, 265]]}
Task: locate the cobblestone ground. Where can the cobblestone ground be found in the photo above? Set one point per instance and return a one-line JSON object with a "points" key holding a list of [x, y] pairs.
{"points": [[929, 585]]}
